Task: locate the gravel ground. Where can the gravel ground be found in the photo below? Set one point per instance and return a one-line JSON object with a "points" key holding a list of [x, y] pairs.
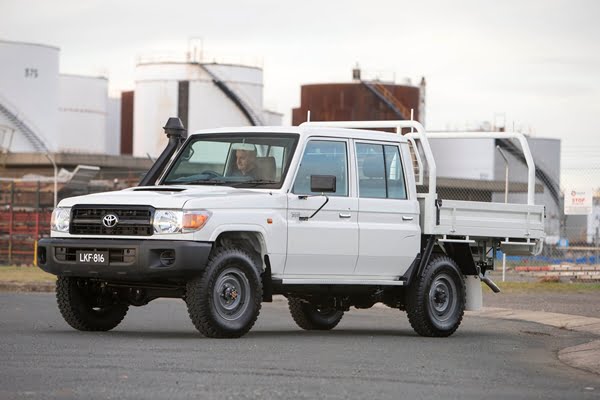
{"points": [[573, 302], [585, 304]]}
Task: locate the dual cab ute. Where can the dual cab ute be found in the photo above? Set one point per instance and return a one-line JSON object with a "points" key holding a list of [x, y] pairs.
{"points": [[326, 216]]}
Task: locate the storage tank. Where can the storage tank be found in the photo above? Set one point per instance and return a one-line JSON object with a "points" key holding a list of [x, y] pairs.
{"points": [[203, 95], [113, 126], [83, 107], [29, 94], [361, 99]]}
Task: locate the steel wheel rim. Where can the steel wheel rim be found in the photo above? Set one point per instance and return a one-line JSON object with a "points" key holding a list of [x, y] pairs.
{"points": [[230, 294], [442, 298]]}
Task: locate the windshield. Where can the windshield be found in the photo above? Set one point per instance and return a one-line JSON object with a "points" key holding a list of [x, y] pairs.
{"points": [[239, 160]]}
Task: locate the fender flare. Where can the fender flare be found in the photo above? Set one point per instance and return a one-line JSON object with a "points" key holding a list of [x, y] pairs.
{"points": [[241, 228]]}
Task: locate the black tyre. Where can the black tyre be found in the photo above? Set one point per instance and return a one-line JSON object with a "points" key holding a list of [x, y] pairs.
{"points": [[224, 302], [435, 302], [309, 317], [83, 306]]}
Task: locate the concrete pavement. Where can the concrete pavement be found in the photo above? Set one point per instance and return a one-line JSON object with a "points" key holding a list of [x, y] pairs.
{"points": [[585, 356]]}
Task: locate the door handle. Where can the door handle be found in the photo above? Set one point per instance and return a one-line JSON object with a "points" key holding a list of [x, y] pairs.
{"points": [[406, 218], [345, 215]]}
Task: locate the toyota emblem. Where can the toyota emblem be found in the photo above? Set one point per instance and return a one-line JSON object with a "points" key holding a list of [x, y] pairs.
{"points": [[110, 220]]}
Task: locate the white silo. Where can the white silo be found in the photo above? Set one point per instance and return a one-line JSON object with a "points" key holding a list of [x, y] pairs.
{"points": [[272, 118], [202, 95], [155, 100], [83, 106], [113, 126], [29, 94]]}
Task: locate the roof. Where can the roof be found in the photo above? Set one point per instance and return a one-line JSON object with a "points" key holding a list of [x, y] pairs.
{"points": [[18, 43], [310, 131]]}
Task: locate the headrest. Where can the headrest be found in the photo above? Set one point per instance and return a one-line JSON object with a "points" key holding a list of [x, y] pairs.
{"points": [[266, 168], [373, 167]]}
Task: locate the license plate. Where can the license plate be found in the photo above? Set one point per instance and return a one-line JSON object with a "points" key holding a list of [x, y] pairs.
{"points": [[92, 257]]}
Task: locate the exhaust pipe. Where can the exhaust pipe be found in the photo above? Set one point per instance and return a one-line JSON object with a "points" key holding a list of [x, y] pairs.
{"points": [[490, 283], [177, 134]]}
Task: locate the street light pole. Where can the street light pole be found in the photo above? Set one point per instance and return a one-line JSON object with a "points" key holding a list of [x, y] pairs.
{"points": [[51, 158], [505, 201]]}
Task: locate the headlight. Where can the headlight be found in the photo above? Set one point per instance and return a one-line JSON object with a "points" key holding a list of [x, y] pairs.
{"points": [[175, 221], [60, 219]]}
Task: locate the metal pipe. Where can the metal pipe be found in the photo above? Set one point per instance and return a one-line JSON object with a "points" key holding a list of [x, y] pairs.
{"points": [[505, 173], [490, 283], [505, 201]]}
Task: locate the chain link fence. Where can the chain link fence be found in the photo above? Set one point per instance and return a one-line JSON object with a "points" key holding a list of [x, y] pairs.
{"points": [[26, 208], [572, 244]]}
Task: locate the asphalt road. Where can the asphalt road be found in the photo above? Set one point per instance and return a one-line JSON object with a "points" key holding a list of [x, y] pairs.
{"points": [[156, 354]]}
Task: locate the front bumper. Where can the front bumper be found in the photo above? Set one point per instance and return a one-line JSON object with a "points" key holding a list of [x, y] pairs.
{"points": [[129, 260]]}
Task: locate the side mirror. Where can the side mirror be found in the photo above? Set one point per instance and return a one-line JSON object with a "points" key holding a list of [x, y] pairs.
{"points": [[322, 184]]}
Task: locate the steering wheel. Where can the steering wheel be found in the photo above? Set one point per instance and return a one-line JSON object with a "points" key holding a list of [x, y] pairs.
{"points": [[211, 174]]}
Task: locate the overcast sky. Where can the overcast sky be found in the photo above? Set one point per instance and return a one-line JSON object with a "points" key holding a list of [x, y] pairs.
{"points": [[536, 62]]}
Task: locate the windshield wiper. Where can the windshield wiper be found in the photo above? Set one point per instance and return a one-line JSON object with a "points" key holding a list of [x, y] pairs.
{"points": [[209, 181], [253, 182]]}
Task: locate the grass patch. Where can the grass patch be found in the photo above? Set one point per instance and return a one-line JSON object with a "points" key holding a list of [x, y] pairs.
{"points": [[554, 287], [29, 274]]}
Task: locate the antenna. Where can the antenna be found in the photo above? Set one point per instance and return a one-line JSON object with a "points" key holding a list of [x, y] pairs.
{"points": [[308, 116], [412, 118]]}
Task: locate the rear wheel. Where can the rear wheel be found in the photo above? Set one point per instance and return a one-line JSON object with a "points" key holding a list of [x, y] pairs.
{"points": [[309, 317], [84, 306], [436, 301]]}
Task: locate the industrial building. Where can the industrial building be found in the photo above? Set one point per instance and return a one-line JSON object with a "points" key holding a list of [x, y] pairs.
{"points": [[51, 121]]}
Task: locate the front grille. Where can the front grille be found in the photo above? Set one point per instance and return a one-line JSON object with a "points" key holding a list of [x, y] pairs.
{"points": [[132, 220]]}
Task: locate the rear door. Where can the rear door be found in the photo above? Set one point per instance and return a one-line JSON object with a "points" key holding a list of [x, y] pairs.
{"points": [[327, 244], [388, 216]]}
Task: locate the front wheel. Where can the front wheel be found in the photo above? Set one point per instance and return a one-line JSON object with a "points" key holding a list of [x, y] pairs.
{"points": [[436, 300], [83, 305], [309, 317], [224, 302]]}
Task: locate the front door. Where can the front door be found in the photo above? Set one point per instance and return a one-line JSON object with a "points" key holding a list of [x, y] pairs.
{"points": [[327, 244]]}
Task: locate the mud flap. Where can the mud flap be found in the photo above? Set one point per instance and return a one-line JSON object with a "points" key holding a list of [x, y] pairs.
{"points": [[474, 294]]}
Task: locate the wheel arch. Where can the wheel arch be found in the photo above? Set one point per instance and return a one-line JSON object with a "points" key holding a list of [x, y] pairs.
{"points": [[462, 255], [248, 237]]}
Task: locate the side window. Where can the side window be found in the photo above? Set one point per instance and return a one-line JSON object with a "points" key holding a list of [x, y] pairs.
{"points": [[371, 171], [395, 174], [323, 158], [380, 172]]}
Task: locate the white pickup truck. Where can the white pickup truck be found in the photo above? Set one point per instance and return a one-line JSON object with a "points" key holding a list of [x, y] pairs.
{"points": [[326, 216]]}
